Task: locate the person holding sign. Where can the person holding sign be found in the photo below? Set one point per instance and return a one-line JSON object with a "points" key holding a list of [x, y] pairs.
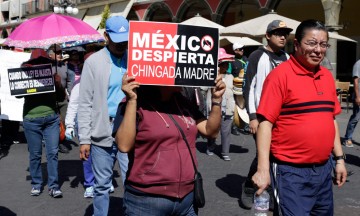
{"points": [[161, 170], [41, 124]]}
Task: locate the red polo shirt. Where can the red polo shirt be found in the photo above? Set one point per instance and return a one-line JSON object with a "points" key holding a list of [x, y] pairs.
{"points": [[302, 107]]}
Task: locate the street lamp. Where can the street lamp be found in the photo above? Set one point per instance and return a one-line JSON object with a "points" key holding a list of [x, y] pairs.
{"points": [[65, 6]]}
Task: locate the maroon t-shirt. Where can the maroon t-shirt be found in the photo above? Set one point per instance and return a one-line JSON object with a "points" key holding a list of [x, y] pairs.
{"points": [[160, 162]]}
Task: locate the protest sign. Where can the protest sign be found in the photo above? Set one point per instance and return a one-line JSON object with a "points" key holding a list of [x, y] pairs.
{"points": [[31, 80], [11, 107], [173, 54]]}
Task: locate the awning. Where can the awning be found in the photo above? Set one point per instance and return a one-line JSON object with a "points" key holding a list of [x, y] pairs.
{"points": [[226, 40], [336, 36], [197, 20], [93, 16]]}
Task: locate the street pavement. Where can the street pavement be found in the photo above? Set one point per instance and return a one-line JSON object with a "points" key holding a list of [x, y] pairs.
{"points": [[222, 181]]}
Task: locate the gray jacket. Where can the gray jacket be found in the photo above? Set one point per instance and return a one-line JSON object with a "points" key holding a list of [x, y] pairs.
{"points": [[93, 115]]}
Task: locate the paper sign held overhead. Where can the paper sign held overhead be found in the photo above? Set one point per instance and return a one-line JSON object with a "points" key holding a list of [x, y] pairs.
{"points": [[173, 54]]}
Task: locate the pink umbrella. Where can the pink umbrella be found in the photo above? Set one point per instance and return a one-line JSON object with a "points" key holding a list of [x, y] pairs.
{"points": [[42, 31]]}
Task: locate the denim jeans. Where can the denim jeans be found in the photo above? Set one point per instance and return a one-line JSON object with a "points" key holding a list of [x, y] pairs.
{"points": [[354, 119], [89, 177], [152, 205], [36, 130], [103, 160], [88, 173]]}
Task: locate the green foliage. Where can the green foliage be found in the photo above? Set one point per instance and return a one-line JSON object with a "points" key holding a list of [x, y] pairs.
{"points": [[104, 16]]}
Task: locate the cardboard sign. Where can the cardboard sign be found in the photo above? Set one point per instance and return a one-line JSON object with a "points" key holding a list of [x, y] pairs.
{"points": [[173, 54], [31, 80]]}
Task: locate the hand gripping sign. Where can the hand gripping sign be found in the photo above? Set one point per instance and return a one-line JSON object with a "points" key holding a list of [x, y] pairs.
{"points": [[173, 54]]}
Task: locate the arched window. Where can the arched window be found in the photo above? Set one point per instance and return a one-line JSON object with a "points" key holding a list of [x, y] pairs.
{"points": [[160, 12], [191, 8], [132, 15]]}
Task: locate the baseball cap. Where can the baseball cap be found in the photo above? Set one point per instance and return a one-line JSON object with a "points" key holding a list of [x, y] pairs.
{"points": [[277, 24], [237, 46], [118, 29], [224, 57]]}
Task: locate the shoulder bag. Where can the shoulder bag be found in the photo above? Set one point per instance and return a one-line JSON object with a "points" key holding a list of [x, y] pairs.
{"points": [[199, 196]]}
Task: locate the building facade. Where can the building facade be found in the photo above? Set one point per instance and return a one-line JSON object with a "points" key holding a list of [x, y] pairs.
{"points": [[334, 13]]}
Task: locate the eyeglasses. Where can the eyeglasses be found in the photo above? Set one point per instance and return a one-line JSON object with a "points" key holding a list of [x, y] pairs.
{"points": [[242, 49], [313, 44], [280, 34]]}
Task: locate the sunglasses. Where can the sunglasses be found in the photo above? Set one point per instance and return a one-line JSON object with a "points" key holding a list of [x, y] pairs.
{"points": [[280, 33]]}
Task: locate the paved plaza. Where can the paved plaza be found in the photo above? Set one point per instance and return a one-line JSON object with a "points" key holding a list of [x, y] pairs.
{"points": [[222, 182]]}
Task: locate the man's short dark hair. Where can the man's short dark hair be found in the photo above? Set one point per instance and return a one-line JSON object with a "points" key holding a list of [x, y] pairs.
{"points": [[309, 24]]}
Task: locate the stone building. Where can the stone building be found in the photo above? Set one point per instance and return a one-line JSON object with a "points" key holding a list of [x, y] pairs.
{"points": [[336, 14]]}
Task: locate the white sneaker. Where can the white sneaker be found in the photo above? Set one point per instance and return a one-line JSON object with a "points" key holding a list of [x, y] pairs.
{"points": [[55, 193], [89, 192], [35, 191], [226, 157], [112, 189]]}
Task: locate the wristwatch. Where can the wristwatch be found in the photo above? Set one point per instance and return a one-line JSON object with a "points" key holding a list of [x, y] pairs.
{"points": [[215, 103], [342, 157]]}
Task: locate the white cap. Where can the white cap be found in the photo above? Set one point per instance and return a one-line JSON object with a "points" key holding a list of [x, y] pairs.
{"points": [[237, 46]]}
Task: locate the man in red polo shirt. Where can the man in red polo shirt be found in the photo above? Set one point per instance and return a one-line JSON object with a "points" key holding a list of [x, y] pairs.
{"points": [[298, 131]]}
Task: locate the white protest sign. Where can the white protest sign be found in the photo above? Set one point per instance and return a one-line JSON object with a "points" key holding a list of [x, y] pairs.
{"points": [[11, 107]]}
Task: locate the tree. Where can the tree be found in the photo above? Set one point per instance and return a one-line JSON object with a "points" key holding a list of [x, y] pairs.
{"points": [[104, 16]]}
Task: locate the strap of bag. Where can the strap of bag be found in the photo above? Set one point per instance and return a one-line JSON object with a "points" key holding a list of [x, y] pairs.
{"points": [[184, 138]]}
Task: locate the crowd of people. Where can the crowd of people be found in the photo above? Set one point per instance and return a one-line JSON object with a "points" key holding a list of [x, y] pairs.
{"points": [[117, 119]]}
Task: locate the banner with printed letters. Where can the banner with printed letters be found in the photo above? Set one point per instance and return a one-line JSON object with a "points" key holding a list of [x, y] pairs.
{"points": [[31, 80], [173, 54]]}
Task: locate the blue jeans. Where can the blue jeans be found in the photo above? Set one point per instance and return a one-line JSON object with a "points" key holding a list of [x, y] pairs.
{"points": [[354, 119], [89, 177], [151, 205], [103, 161], [88, 173], [36, 130]]}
